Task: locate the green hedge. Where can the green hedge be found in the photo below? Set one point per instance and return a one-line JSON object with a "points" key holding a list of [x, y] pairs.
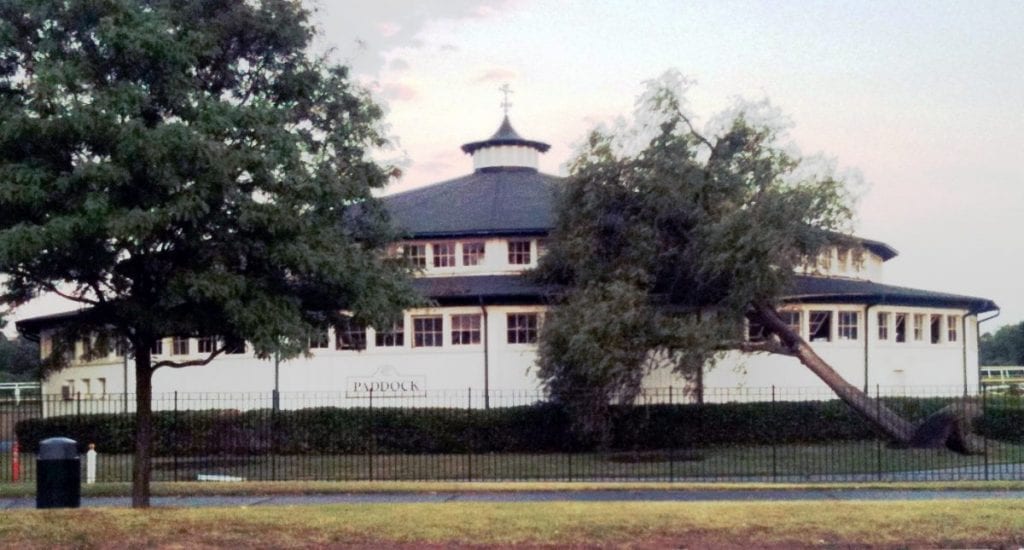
{"points": [[535, 428]]}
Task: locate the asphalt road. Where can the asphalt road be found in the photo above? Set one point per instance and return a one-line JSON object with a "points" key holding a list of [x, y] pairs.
{"points": [[538, 496]]}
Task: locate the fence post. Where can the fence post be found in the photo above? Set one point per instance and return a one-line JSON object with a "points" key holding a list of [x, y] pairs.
{"points": [[373, 437], [469, 424], [174, 436], [984, 406], [775, 472], [275, 401], [878, 440], [672, 445]]}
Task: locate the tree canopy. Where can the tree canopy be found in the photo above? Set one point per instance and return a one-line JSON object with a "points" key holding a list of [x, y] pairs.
{"points": [[188, 167], [1005, 347], [19, 360], [666, 235]]}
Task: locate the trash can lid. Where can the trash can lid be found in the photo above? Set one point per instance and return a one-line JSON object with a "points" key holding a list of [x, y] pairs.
{"points": [[57, 448]]}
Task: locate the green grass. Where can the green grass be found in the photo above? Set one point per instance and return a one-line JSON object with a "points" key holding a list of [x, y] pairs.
{"points": [[265, 488], [782, 461], [604, 524]]}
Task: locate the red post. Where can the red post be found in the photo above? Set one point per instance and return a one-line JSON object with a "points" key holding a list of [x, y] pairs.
{"points": [[15, 462]]}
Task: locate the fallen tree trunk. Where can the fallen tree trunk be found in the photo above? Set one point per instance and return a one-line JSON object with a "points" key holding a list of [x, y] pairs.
{"points": [[950, 427]]}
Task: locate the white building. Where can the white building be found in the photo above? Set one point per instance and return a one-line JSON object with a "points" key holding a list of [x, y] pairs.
{"points": [[473, 236]]}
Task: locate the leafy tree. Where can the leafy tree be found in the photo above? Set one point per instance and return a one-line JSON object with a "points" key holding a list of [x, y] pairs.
{"points": [[186, 168], [1005, 347], [667, 238], [19, 360]]}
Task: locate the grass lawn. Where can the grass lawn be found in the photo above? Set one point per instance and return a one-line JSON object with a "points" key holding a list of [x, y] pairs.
{"points": [[633, 524], [266, 488], [763, 462]]}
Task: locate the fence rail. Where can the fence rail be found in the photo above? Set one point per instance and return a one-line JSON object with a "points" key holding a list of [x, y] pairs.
{"points": [[756, 434]]}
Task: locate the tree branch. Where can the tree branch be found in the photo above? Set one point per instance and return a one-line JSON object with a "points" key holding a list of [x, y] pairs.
{"points": [[694, 131], [766, 346], [192, 363]]}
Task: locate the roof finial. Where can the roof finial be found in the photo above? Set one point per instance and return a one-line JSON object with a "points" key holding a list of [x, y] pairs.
{"points": [[505, 90]]}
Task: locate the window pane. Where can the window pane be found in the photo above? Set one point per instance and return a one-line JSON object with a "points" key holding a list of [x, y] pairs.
{"points": [[472, 253], [180, 346], [901, 327], [465, 329], [883, 326], [848, 321], [391, 338], [444, 254], [952, 324], [936, 329], [792, 318], [519, 252], [522, 328], [820, 326], [350, 335], [416, 254], [427, 332], [207, 344]]}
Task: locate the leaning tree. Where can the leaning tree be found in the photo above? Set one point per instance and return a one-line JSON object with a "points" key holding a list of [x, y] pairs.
{"points": [[667, 238], [187, 168]]}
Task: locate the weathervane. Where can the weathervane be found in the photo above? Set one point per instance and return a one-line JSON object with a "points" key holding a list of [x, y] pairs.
{"points": [[505, 89]]}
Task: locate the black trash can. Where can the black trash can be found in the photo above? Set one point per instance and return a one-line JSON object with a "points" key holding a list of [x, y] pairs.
{"points": [[58, 474]]}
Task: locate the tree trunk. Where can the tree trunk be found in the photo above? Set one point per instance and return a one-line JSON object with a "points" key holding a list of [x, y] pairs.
{"points": [[141, 467], [882, 417]]}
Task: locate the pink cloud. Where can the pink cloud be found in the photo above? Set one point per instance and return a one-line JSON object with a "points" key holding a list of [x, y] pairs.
{"points": [[397, 91], [499, 74]]}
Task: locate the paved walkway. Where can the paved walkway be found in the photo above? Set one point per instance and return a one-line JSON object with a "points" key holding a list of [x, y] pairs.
{"points": [[538, 496]]}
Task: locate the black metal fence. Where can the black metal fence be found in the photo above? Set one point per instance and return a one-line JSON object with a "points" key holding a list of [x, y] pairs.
{"points": [[762, 434]]}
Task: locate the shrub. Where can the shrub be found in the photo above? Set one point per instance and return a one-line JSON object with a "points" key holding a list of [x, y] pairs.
{"points": [[544, 427]]}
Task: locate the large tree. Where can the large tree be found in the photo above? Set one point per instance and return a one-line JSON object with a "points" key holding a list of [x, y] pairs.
{"points": [[1005, 347], [667, 238], [186, 168]]}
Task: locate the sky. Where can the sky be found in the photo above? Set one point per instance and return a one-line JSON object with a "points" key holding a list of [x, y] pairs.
{"points": [[924, 100]]}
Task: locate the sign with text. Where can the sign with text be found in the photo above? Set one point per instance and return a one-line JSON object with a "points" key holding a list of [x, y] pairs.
{"points": [[386, 382]]}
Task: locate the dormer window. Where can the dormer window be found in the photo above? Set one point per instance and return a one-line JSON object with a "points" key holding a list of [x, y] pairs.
{"points": [[444, 254], [519, 252], [472, 253], [417, 254]]}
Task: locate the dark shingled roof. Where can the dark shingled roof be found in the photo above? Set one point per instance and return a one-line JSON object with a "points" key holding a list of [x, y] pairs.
{"points": [[506, 135], [492, 201], [489, 289], [519, 289], [853, 291]]}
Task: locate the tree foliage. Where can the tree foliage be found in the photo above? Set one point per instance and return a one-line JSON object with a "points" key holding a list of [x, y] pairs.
{"points": [[188, 167], [666, 235], [19, 360], [1005, 347]]}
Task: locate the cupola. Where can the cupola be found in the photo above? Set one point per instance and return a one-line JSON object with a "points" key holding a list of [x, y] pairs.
{"points": [[505, 149]]}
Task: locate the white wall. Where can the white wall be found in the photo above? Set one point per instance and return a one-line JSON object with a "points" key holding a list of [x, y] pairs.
{"points": [[445, 374]]}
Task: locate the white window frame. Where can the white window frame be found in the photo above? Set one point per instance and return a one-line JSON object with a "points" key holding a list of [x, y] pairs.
{"points": [[918, 327], [473, 253], [883, 325], [419, 259], [428, 337], [811, 322], [466, 329], [443, 254], [952, 328], [522, 328], [845, 330], [517, 255]]}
